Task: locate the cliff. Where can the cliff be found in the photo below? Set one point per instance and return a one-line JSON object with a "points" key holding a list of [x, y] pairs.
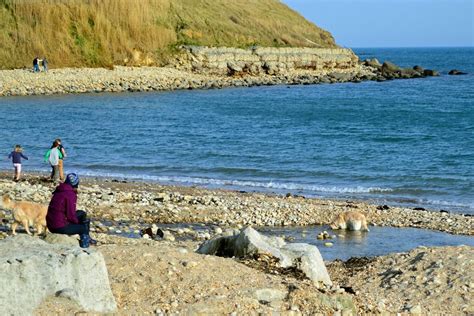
{"points": [[98, 33]]}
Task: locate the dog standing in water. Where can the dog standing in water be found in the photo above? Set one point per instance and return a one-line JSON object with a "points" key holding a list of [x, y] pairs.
{"points": [[26, 213], [350, 220]]}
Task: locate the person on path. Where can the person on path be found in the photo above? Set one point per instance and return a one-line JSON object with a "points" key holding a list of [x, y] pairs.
{"points": [[52, 156], [16, 156], [36, 64], [61, 159], [62, 216], [44, 63]]}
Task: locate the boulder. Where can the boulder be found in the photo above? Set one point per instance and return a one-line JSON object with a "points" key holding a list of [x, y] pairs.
{"points": [[249, 242], [341, 76], [409, 73], [31, 270], [430, 73], [419, 69], [234, 67], [389, 67], [372, 62], [455, 72]]}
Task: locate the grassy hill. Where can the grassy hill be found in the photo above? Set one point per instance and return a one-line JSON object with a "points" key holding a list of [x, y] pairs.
{"points": [[97, 33]]}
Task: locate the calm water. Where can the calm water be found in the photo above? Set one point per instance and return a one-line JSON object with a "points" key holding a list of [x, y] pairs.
{"points": [[379, 241], [406, 142]]}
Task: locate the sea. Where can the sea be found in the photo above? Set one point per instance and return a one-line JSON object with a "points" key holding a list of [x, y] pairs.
{"points": [[403, 143]]}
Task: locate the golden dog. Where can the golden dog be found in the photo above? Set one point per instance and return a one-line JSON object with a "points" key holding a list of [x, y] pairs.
{"points": [[26, 213], [350, 220]]}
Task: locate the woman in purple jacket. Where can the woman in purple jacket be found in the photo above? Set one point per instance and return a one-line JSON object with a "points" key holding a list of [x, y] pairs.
{"points": [[62, 217]]}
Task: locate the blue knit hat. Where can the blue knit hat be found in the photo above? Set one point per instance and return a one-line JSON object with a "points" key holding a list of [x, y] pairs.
{"points": [[73, 180]]}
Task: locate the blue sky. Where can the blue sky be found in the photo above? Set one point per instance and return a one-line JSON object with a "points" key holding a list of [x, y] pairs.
{"points": [[392, 23]]}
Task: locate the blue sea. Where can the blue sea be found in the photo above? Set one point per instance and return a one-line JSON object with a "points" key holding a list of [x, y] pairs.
{"points": [[402, 142]]}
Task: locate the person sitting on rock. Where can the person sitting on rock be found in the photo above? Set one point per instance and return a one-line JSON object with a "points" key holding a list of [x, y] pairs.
{"points": [[62, 217]]}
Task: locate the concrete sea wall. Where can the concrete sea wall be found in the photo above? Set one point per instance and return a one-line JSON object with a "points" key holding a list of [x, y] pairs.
{"points": [[266, 60]]}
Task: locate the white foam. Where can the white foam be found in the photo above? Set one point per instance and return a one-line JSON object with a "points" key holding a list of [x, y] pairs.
{"points": [[246, 183]]}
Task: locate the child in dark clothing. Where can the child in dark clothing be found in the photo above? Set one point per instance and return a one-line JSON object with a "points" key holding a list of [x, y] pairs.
{"points": [[16, 156]]}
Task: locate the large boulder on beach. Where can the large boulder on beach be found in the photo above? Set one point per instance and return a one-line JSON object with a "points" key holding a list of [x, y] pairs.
{"points": [[32, 270], [249, 242]]}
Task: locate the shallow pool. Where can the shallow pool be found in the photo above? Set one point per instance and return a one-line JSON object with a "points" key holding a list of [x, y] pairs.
{"points": [[379, 241]]}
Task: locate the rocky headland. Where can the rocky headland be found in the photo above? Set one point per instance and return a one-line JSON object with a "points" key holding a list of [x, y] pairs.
{"points": [[211, 68], [165, 274]]}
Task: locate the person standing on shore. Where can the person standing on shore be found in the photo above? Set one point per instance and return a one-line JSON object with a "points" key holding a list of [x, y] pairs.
{"points": [[52, 156], [61, 159], [35, 64], [62, 216], [44, 63], [16, 156]]}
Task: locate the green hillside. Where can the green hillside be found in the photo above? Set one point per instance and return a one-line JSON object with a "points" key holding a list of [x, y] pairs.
{"points": [[96, 33]]}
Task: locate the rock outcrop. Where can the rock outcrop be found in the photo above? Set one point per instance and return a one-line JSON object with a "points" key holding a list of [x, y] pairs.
{"points": [[249, 242], [389, 71], [31, 270]]}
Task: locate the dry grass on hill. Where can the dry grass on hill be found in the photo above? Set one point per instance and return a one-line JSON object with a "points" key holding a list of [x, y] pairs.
{"points": [[106, 32]]}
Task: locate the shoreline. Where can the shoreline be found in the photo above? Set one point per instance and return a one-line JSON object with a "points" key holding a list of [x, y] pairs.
{"points": [[276, 192], [203, 75], [144, 79], [147, 202]]}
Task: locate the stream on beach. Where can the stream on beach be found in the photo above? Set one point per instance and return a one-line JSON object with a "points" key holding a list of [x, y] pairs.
{"points": [[345, 244], [402, 142]]}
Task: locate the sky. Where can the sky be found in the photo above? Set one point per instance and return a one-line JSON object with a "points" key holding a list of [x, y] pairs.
{"points": [[392, 23]]}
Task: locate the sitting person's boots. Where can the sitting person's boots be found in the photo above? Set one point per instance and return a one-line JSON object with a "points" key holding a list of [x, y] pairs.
{"points": [[87, 222], [84, 242]]}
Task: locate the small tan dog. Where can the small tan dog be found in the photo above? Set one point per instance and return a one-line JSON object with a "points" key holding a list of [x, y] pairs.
{"points": [[350, 220], [26, 213]]}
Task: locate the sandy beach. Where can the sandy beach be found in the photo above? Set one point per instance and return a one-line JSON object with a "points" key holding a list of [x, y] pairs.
{"points": [[169, 277]]}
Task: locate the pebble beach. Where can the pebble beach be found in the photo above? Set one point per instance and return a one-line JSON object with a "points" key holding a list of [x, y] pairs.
{"points": [[21, 82], [142, 202], [182, 281]]}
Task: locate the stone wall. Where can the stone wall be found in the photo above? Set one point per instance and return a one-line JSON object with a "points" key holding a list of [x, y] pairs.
{"points": [[266, 60]]}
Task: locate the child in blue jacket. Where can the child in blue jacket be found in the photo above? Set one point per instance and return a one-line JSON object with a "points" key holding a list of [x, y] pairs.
{"points": [[16, 156]]}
